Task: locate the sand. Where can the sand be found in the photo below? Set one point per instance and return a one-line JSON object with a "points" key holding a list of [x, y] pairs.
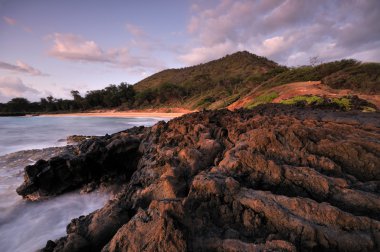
{"points": [[118, 114]]}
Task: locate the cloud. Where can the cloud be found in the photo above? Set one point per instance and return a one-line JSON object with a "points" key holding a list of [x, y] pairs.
{"points": [[288, 31], [73, 47], [21, 67], [203, 54], [274, 45], [11, 87], [9, 21], [13, 22], [135, 30], [27, 29], [143, 42]]}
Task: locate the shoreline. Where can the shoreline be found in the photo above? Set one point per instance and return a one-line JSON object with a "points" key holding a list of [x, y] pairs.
{"points": [[117, 114]]}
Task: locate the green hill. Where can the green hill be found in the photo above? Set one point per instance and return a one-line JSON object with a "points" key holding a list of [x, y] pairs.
{"points": [[205, 84], [219, 83]]}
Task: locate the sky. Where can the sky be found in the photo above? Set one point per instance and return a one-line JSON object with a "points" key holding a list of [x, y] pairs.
{"points": [[50, 47]]}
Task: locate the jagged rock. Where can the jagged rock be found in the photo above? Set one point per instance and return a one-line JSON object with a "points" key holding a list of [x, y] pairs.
{"points": [[76, 139], [276, 178], [94, 160], [151, 230]]}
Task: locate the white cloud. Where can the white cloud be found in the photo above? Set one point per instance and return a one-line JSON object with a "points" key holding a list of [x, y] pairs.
{"points": [[143, 42], [284, 30], [203, 54], [13, 22], [11, 87], [73, 47], [135, 30], [9, 21], [193, 25], [25, 67], [21, 67], [274, 45]]}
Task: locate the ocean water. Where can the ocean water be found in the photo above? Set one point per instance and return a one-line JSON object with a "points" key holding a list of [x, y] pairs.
{"points": [[24, 133], [26, 226]]}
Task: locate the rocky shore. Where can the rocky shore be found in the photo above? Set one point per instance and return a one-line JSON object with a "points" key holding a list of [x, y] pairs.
{"points": [[275, 178], [25, 157]]}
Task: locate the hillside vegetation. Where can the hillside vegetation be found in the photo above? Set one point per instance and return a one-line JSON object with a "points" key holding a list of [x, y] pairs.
{"points": [[343, 74], [310, 73], [235, 78], [235, 68], [219, 83], [359, 77], [206, 84]]}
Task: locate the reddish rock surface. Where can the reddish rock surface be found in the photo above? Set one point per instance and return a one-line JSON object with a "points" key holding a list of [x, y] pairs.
{"points": [[276, 178]]}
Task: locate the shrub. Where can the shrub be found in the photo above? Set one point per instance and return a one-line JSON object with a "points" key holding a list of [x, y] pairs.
{"points": [[369, 109], [343, 103], [361, 77], [313, 99], [203, 103], [310, 73], [146, 97], [262, 99]]}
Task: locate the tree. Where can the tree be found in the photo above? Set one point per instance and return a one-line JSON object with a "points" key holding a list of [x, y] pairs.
{"points": [[44, 104], [126, 93], [78, 100], [169, 91], [18, 104], [315, 61], [50, 105], [75, 94], [94, 98], [111, 97], [146, 97]]}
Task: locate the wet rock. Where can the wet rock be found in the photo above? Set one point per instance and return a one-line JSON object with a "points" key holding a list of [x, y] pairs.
{"points": [[94, 159], [27, 157], [76, 139]]}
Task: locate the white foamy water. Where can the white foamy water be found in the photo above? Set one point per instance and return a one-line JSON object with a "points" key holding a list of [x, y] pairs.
{"points": [[27, 226]]}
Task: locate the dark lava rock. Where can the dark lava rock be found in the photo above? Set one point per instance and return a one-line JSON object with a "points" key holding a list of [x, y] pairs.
{"points": [[75, 139], [23, 158], [94, 160], [275, 178]]}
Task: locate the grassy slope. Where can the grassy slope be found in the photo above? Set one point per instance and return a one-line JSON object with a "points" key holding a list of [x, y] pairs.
{"points": [[333, 79], [214, 84], [364, 78], [240, 65], [279, 93], [243, 77]]}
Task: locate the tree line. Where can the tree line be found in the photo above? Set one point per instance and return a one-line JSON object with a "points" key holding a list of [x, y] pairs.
{"points": [[109, 97], [123, 96]]}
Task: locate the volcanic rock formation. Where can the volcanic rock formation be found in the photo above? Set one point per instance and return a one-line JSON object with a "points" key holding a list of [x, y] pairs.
{"points": [[275, 178]]}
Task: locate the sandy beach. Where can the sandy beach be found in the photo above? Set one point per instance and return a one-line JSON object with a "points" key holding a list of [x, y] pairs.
{"points": [[112, 113]]}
